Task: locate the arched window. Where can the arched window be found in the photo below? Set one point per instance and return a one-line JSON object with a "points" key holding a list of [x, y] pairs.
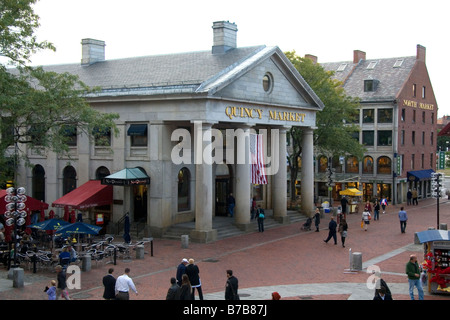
{"points": [[368, 165], [69, 179], [384, 165], [352, 165], [38, 182], [184, 190], [101, 172], [323, 164]]}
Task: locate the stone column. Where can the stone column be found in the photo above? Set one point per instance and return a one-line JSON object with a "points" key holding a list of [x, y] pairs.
{"points": [[307, 183], [279, 192], [243, 188], [203, 186]]}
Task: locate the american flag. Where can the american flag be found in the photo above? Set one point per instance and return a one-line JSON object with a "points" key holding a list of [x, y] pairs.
{"points": [[258, 173]]}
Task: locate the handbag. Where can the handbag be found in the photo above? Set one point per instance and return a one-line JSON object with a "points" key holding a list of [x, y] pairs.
{"points": [[362, 224]]}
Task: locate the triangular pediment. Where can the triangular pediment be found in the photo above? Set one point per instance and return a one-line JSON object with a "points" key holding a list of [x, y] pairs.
{"points": [[245, 82]]}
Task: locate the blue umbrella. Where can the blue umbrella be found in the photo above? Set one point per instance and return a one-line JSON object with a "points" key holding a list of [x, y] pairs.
{"points": [[79, 228], [50, 224]]}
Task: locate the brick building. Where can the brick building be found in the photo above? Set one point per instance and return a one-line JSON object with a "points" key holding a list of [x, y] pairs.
{"points": [[398, 123]]}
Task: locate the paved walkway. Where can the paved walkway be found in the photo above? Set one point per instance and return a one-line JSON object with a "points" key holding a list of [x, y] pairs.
{"points": [[295, 263]]}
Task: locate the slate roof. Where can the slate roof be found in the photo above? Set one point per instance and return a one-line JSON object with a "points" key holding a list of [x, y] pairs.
{"points": [[179, 71], [391, 79]]}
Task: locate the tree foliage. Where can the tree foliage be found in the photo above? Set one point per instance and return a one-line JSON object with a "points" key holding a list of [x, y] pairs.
{"points": [[38, 108], [333, 135]]}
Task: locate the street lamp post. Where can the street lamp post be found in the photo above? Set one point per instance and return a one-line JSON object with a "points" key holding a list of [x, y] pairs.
{"points": [[436, 184], [15, 214]]}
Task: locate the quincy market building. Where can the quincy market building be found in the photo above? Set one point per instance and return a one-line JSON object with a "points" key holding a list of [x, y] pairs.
{"points": [[227, 88]]}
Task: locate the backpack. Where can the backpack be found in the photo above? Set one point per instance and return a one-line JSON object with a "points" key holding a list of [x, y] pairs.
{"points": [[261, 214]]}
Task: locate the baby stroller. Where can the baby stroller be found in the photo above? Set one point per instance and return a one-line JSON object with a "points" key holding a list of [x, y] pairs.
{"points": [[307, 225]]}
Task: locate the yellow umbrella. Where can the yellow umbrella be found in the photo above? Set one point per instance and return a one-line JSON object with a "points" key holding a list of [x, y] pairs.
{"points": [[351, 192]]}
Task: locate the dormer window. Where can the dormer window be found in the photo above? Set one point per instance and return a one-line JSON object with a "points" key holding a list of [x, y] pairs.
{"points": [[370, 85], [398, 63], [372, 64], [342, 67]]}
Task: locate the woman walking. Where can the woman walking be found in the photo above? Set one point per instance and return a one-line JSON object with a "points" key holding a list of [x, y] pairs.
{"points": [[194, 278], [365, 219], [343, 226]]}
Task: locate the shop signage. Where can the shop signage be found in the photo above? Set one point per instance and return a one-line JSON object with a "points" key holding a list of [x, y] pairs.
{"points": [[420, 105], [258, 113]]}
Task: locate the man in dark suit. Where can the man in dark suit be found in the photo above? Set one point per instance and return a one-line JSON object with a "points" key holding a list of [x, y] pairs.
{"points": [[109, 282]]}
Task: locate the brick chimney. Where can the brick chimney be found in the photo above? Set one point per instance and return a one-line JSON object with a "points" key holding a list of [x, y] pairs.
{"points": [[92, 51], [421, 53], [311, 57], [358, 55], [224, 36]]}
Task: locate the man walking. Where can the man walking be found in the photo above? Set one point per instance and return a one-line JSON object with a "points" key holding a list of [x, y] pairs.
{"points": [[231, 287], [331, 231], [123, 285], [403, 217], [413, 273]]}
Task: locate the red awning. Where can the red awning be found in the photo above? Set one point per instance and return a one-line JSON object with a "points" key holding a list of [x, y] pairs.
{"points": [[90, 194], [32, 204], [445, 131]]}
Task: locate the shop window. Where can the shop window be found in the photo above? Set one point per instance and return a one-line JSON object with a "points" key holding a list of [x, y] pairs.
{"points": [[384, 165], [368, 116], [384, 115], [138, 135], [323, 164], [102, 137], [184, 178], [352, 165], [368, 165], [384, 137], [368, 137]]}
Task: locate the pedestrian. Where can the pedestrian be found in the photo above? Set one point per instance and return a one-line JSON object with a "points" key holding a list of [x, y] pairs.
{"points": [[185, 292], [173, 290], [344, 203], [366, 219], [343, 226], [253, 208], [181, 269], [231, 287], [331, 231], [231, 202], [376, 210], [317, 219], [368, 207], [193, 272], [382, 295], [409, 197], [384, 204], [403, 217], [51, 292], [61, 289], [123, 285], [414, 197], [276, 296], [109, 282], [413, 273], [261, 216]]}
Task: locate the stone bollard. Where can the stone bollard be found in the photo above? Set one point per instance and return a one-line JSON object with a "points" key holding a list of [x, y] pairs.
{"points": [[18, 275], [140, 252], [357, 261], [184, 241], [86, 262], [416, 239], [442, 226]]}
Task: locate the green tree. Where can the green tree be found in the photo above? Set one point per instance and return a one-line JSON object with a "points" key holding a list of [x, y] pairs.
{"points": [[333, 136], [38, 108]]}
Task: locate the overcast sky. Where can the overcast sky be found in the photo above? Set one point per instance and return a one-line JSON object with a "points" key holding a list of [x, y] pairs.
{"points": [[328, 29]]}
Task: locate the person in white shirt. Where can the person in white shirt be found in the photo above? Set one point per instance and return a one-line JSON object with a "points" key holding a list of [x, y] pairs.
{"points": [[123, 285]]}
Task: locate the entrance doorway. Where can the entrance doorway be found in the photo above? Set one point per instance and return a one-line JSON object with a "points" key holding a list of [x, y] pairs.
{"points": [[222, 191], [140, 202], [223, 188]]}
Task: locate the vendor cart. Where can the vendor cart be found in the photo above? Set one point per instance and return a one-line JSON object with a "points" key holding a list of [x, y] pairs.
{"points": [[354, 195], [437, 259]]}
